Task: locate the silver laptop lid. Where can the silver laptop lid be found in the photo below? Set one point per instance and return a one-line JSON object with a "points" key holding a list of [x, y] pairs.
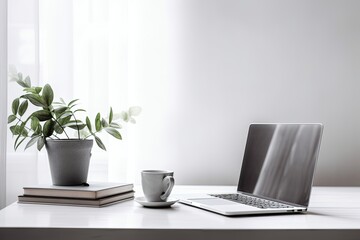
{"points": [[279, 161]]}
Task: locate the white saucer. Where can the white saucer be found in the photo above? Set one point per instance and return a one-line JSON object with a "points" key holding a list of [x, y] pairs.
{"points": [[168, 203]]}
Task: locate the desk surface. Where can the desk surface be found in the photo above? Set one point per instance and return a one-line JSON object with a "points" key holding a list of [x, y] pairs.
{"points": [[333, 212]]}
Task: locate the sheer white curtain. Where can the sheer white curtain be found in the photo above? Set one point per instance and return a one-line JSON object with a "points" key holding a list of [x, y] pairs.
{"points": [[106, 53], [83, 54], [3, 99], [81, 49]]}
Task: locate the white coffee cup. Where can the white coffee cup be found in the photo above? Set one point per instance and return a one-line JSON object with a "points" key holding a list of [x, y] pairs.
{"points": [[157, 184]]}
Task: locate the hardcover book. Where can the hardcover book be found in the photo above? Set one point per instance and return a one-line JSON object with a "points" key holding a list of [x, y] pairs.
{"points": [[101, 202], [95, 190]]}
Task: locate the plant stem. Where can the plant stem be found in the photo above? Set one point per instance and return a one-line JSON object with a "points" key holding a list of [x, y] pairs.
{"points": [[77, 126], [61, 127], [56, 136], [19, 120], [91, 134]]}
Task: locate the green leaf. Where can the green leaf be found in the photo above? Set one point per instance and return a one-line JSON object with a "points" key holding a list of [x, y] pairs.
{"points": [[22, 140], [64, 120], [20, 130], [22, 127], [72, 106], [65, 114], [76, 126], [38, 130], [134, 111], [17, 130], [11, 118], [23, 107], [99, 143], [38, 89], [111, 115], [98, 122], [40, 143], [104, 123], [24, 132], [114, 133], [124, 116], [34, 90], [13, 129], [72, 102], [32, 141], [30, 90], [79, 110], [15, 106], [36, 100], [58, 129], [75, 121], [115, 125], [34, 123], [58, 103], [88, 124], [27, 81], [60, 110], [48, 94], [42, 115], [21, 83], [48, 128]]}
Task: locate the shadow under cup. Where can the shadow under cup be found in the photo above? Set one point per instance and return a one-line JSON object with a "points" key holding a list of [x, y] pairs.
{"points": [[157, 184]]}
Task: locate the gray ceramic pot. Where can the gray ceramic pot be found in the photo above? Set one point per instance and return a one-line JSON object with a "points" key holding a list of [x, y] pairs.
{"points": [[69, 160]]}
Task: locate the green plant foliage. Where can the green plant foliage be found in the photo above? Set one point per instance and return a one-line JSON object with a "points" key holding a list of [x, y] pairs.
{"points": [[40, 143], [88, 124], [32, 141], [115, 133], [48, 128], [42, 115], [11, 118], [23, 107], [55, 119], [15, 106], [99, 143], [36, 100], [47, 94], [98, 122], [34, 123], [111, 115]]}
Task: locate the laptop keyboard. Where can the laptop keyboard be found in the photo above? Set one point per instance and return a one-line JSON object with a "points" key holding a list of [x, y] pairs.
{"points": [[251, 201]]}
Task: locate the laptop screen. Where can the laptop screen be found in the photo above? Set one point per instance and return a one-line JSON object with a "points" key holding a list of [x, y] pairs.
{"points": [[279, 161]]}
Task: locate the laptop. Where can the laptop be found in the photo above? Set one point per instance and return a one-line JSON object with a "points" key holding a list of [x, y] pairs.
{"points": [[276, 174]]}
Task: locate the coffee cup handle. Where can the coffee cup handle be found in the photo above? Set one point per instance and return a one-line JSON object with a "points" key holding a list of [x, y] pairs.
{"points": [[168, 183]]}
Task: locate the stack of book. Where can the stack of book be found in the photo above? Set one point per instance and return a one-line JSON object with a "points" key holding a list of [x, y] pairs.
{"points": [[94, 195]]}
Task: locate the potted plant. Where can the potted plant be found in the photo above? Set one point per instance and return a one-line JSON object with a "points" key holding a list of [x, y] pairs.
{"points": [[50, 124]]}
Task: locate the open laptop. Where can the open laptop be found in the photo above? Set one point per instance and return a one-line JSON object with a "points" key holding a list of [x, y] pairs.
{"points": [[276, 174]]}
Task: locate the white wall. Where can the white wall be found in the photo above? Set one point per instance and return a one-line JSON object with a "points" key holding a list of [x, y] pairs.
{"points": [[202, 70], [208, 68], [3, 99]]}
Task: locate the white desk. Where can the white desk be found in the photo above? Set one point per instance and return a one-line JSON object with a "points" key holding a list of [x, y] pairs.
{"points": [[334, 213]]}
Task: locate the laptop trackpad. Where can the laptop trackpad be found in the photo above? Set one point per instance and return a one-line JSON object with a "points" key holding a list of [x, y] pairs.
{"points": [[222, 205], [214, 201]]}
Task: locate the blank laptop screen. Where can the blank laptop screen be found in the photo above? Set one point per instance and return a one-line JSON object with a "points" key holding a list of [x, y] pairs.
{"points": [[279, 161]]}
